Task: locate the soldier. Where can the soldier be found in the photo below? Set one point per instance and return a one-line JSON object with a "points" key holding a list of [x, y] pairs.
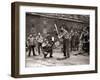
{"points": [[46, 47], [65, 37], [71, 40], [31, 43], [86, 42], [50, 42], [84, 39], [76, 40], [39, 39]]}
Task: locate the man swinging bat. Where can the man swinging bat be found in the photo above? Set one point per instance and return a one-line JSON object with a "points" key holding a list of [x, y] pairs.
{"points": [[64, 34]]}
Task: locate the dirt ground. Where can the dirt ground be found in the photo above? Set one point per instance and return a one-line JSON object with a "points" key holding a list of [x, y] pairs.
{"points": [[57, 59]]}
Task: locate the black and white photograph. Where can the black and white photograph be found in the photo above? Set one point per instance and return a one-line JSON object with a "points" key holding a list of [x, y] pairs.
{"points": [[54, 39], [51, 39]]}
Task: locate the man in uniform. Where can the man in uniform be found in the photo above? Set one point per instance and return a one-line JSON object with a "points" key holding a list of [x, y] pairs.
{"points": [[72, 40], [51, 43], [84, 38], [65, 37], [31, 44], [39, 39]]}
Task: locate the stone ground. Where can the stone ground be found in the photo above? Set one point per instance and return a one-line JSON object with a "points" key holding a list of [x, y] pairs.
{"points": [[57, 60]]}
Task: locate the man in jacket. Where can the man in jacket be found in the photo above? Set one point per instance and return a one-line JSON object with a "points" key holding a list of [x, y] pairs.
{"points": [[31, 42], [39, 39]]}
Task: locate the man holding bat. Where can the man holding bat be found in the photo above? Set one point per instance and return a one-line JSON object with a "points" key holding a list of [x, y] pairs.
{"points": [[64, 34]]}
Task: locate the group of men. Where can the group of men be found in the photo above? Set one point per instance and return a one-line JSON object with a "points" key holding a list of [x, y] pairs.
{"points": [[70, 41], [40, 44], [34, 42]]}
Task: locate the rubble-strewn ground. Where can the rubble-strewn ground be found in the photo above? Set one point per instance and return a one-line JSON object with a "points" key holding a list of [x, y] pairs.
{"points": [[57, 60]]}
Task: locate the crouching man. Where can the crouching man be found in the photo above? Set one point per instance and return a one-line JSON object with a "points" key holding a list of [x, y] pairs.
{"points": [[47, 47]]}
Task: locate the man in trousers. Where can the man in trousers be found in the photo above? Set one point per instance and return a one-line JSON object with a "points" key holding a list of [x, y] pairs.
{"points": [[65, 37], [39, 39], [31, 44]]}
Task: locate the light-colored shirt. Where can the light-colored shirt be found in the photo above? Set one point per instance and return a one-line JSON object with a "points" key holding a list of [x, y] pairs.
{"points": [[39, 39], [65, 34]]}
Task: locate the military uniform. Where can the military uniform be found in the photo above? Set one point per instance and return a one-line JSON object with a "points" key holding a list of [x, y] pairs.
{"points": [[39, 39], [65, 36], [47, 46], [31, 42]]}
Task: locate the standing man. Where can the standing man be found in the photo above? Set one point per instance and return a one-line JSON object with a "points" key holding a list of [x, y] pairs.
{"points": [[76, 41], [39, 39], [31, 42], [86, 41], [72, 39], [65, 37], [84, 38]]}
